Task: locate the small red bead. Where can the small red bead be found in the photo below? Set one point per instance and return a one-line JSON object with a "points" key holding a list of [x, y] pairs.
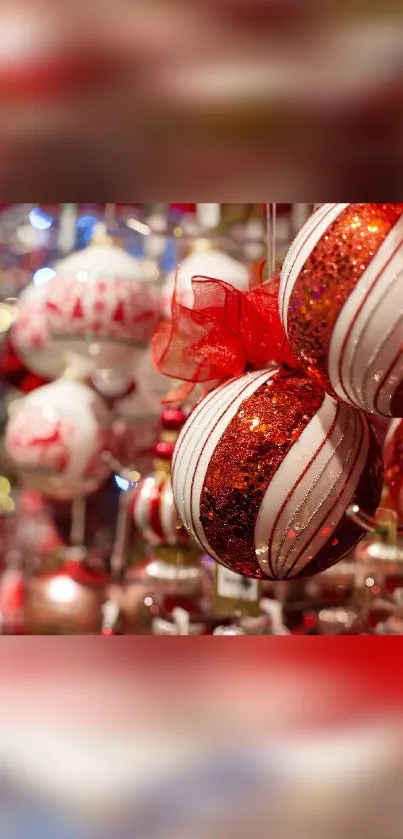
{"points": [[164, 450], [172, 419]]}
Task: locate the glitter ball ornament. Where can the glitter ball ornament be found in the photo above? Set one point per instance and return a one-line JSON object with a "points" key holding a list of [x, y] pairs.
{"points": [[265, 469], [99, 308], [341, 303], [55, 439]]}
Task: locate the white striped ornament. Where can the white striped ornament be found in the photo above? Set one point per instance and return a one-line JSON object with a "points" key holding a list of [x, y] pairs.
{"points": [[308, 494], [154, 512], [365, 359]]}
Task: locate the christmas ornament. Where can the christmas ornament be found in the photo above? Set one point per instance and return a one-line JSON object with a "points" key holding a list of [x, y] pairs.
{"points": [[37, 538], [393, 457], [50, 56], [203, 262], [55, 439], [180, 624], [379, 559], [172, 569], [378, 567], [15, 374], [339, 621], [12, 601], [335, 584], [30, 334], [154, 511], [264, 470], [68, 601], [232, 629], [340, 303], [137, 416], [7, 317], [112, 384], [381, 426], [99, 309]]}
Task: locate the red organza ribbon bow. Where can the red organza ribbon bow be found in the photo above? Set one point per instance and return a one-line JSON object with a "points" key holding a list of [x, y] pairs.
{"points": [[225, 333]]}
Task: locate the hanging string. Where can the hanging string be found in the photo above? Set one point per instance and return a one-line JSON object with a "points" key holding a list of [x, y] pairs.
{"points": [[110, 217], [208, 215], [119, 551], [299, 216], [271, 210], [78, 518], [67, 228]]}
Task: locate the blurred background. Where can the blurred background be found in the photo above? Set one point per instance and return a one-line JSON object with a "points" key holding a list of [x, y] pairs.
{"points": [[143, 100], [127, 738], [132, 736], [90, 540]]}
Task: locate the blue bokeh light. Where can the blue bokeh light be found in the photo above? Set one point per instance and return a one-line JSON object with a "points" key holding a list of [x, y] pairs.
{"points": [[43, 275], [40, 220]]}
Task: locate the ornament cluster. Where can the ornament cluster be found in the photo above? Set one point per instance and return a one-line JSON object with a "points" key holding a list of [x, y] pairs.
{"points": [[270, 463], [89, 329]]}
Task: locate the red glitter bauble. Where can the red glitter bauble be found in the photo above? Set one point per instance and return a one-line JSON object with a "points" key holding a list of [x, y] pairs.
{"points": [[264, 471], [172, 418], [340, 303]]}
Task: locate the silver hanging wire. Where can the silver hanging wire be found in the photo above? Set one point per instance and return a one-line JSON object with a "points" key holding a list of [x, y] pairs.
{"points": [[271, 213]]}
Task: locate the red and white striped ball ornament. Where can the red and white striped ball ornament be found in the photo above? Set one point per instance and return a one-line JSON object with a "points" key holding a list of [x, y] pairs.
{"points": [[153, 507], [154, 512], [341, 303], [265, 469]]}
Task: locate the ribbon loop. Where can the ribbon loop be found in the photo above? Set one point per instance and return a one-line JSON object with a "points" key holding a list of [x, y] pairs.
{"points": [[226, 332]]}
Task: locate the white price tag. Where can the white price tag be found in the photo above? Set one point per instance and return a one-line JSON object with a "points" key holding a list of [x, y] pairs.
{"points": [[209, 215], [235, 587]]}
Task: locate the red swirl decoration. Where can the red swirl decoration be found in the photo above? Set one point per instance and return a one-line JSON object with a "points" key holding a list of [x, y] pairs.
{"points": [[225, 333]]}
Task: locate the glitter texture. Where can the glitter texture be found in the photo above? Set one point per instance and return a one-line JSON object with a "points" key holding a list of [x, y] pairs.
{"points": [[331, 272], [346, 535], [244, 462]]}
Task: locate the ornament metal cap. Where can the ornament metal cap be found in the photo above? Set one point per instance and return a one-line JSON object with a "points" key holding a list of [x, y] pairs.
{"points": [[383, 525], [101, 236]]}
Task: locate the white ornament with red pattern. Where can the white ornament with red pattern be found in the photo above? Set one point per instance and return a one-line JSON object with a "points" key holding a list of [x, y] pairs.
{"points": [[30, 334], [135, 429], [203, 263], [55, 439], [137, 414], [99, 308]]}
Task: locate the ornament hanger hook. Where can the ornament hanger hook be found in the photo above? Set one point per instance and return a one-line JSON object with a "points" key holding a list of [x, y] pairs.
{"points": [[384, 523], [271, 210], [358, 516], [110, 216], [129, 475]]}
